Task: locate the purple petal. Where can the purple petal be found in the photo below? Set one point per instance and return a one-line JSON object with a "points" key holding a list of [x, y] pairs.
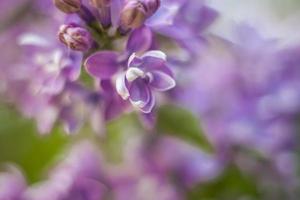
{"points": [[70, 120], [114, 107], [116, 7], [164, 16], [113, 104], [148, 120], [102, 64], [134, 61], [207, 16], [140, 40], [161, 81], [150, 105], [139, 93], [107, 87], [155, 64]]}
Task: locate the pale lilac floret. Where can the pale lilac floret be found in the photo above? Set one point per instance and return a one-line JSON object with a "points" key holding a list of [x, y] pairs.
{"points": [[145, 74]]}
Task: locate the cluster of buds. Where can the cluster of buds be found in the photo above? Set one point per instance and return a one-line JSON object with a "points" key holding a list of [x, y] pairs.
{"points": [[133, 13]]}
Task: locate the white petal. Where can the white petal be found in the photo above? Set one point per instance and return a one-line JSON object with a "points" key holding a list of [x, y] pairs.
{"points": [[133, 73], [121, 87], [156, 54], [131, 59], [138, 104]]}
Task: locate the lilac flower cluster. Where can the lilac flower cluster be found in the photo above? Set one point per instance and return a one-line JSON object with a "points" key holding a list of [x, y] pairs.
{"points": [[78, 62], [117, 43], [248, 100], [84, 174]]}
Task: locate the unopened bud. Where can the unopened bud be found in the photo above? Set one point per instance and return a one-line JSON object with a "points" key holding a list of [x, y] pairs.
{"points": [[133, 14], [151, 6], [75, 37], [100, 3], [103, 7], [68, 6]]}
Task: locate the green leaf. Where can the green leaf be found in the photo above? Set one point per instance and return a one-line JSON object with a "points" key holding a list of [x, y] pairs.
{"points": [[21, 144], [232, 184], [183, 124]]}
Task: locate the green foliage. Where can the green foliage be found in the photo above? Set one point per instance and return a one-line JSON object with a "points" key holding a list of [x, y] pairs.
{"points": [[232, 184], [183, 124], [20, 144]]}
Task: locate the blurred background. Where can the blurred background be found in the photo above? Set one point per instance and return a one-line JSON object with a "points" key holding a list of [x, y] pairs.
{"points": [[231, 130]]}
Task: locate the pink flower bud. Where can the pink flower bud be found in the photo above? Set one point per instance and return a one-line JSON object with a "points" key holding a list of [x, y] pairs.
{"points": [[75, 37], [103, 7], [133, 14], [68, 6], [100, 3]]}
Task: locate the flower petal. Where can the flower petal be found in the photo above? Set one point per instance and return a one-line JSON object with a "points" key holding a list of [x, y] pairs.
{"points": [[161, 81], [140, 40], [121, 87], [102, 64], [154, 60], [134, 61], [133, 73], [139, 93], [150, 105], [116, 6], [155, 54]]}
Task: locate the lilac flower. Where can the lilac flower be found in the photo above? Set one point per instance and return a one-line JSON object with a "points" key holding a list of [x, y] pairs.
{"points": [[148, 186], [53, 68], [144, 74], [190, 166], [184, 21], [252, 76]]}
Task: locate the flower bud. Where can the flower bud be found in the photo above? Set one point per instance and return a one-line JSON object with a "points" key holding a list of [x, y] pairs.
{"points": [[68, 6], [75, 37], [103, 7], [100, 3], [133, 14], [152, 6]]}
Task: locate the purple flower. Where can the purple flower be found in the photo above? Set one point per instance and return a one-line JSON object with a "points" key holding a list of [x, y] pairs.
{"points": [[144, 74], [190, 166], [184, 21]]}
